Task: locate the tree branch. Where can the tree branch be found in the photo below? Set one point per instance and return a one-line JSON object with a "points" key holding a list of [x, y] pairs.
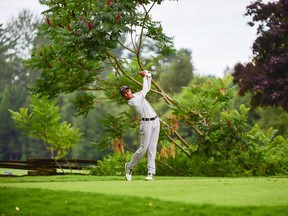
{"points": [[182, 149]]}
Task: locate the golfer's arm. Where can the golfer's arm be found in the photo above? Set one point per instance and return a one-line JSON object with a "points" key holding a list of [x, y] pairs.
{"points": [[146, 83]]}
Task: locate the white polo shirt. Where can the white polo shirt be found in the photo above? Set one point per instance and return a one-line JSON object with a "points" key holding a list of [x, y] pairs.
{"points": [[139, 101]]}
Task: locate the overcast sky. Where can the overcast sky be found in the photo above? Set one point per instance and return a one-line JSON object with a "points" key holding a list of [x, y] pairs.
{"points": [[216, 31]]}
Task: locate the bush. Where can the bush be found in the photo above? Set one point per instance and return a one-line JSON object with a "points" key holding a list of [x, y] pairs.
{"points": [[113, 165], [263, 156], [225, 143]]}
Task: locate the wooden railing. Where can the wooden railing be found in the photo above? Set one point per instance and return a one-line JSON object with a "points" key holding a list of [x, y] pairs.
{"points": [[42, 166]]}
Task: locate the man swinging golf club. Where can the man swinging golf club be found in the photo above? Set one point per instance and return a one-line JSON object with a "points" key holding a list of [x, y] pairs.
{"points": [[149, 127]]}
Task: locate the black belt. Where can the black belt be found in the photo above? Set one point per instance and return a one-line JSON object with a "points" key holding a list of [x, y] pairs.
{"points": [[149, 119]]}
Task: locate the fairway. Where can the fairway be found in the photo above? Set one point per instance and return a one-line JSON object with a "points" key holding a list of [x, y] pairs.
{"points": [[216, 191]]}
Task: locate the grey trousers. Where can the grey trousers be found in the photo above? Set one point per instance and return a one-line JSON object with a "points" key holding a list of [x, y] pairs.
{"points": [[149, 131]]}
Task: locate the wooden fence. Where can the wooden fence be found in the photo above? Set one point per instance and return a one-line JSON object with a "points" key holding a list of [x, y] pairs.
{"points": [[37, 166]]}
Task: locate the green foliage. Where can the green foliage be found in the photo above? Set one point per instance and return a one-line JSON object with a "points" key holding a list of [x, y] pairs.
{"points": [[178, 73], [5, 44], [223, 142], [13, 143], [206, 108], [257, 154], [3, 120], [84, 102], [42, 121], [82, 38], [16, 40], [265, 152], [64, 139], [268, 117], [113, 165], [115, 126]]}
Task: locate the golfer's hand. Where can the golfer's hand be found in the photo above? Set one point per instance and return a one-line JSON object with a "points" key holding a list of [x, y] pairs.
{"points": [[143, 73]]}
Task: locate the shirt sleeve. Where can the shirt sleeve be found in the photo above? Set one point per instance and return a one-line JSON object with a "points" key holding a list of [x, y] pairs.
{"points": [[139, 97], [146, 83]]}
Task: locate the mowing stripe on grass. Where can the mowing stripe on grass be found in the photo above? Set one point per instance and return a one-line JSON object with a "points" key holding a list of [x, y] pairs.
{"points": [[216, 191], [35, 202]]}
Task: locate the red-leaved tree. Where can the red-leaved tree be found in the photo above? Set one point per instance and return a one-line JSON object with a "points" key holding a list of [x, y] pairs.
{"points": [[266, 76]]}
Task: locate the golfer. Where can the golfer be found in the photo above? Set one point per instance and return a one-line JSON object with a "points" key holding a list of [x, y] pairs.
{"points": [[149, 127]]}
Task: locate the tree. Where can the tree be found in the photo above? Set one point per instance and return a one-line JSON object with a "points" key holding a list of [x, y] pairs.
{"points": [[21, 30], [5, 45], [178, 73], [82, 39], [42, 121], [16, 40], [266, 76]]}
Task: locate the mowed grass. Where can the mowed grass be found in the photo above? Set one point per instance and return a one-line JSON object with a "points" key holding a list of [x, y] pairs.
{"points": [[90, 195], [17, 172]]}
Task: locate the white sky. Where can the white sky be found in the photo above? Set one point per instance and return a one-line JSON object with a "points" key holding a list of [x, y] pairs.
{"points": [[216, 31]]}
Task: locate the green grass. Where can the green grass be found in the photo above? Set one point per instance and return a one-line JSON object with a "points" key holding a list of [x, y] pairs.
{"points": [[16, 172], [19, 172], [90, 195]]}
